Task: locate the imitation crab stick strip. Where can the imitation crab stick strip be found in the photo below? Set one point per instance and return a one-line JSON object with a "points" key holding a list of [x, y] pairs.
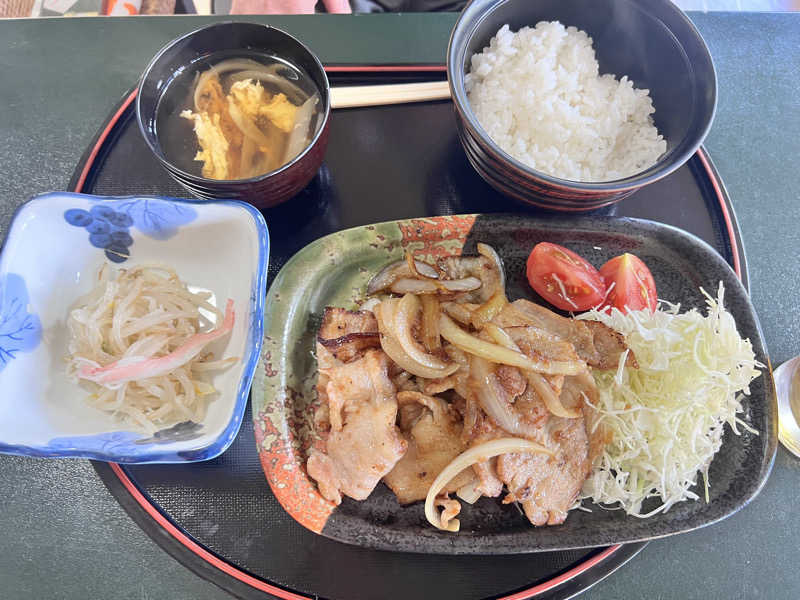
{"points": [[132, 368]]}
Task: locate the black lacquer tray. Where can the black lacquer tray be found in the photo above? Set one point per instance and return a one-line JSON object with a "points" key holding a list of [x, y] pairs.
{"points": [[219, 518]]}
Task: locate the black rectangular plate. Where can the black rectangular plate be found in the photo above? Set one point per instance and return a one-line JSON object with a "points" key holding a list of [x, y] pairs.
{"points": [[680, 263]]}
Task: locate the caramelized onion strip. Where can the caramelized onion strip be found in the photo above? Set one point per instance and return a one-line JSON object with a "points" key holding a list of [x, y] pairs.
{"points": [[395, 351], [546, 393], [490, 309], [491, 399], [396, 270], [500, 354], [408, 285], [458, 311], [406, 312], [466, 459], [431, 338]]}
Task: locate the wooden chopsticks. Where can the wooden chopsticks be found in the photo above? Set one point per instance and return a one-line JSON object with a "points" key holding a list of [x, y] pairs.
{"points": [[395, 93]]}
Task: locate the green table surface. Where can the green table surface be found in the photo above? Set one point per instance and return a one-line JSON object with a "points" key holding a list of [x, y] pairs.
{"points": [[62, 535]]}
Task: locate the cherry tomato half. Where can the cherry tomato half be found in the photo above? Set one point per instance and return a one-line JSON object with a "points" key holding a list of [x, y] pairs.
{"points": [[630, 283], [563, 278]]}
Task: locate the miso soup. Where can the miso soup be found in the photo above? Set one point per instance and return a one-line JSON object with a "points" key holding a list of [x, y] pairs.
{"points": [[237, 117]]}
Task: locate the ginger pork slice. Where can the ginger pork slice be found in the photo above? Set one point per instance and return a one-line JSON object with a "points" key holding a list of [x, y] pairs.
{"points": [[346, 334], [360, 408], [595, 343], [433, 431]]}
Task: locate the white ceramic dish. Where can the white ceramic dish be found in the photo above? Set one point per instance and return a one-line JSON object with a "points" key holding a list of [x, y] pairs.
{"points": [[54, 248]]}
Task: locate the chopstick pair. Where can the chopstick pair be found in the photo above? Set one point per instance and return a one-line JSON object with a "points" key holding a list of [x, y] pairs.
{"points": [[395, 93]]}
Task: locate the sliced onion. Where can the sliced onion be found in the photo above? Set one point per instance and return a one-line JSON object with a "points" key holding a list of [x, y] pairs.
{"points": [[236, 64], [390, 273], [490, 309], [262, 68], [200, 85], [489, 394], [551, 401], [412, 268], [430, 323], [426, 270], [406, 311], [233, 64], [500, 336], [469, 491], [425, 286], [370, 304], [490, 253], [474, 455], [395, 351], [457, 355], [246, 169], [264, 164], [406, 285], [461, 285], [298, 137], [499, 354], [458, 311]]}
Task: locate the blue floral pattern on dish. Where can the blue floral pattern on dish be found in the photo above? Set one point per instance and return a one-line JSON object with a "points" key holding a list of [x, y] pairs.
{"points": [[108, 223], [158, 219], [20, 331]]}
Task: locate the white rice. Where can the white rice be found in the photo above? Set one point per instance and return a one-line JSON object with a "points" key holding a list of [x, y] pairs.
{"points": [[539, 95]]}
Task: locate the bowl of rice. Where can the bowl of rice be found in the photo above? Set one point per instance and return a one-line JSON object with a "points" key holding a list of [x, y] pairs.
{"points": [[572, 107]]}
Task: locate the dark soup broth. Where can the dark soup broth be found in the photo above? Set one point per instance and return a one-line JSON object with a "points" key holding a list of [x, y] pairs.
{"points": [[237, 116]]}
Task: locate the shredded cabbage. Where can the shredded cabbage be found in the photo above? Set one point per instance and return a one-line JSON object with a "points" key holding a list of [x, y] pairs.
{"points": [[664, 421]]}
